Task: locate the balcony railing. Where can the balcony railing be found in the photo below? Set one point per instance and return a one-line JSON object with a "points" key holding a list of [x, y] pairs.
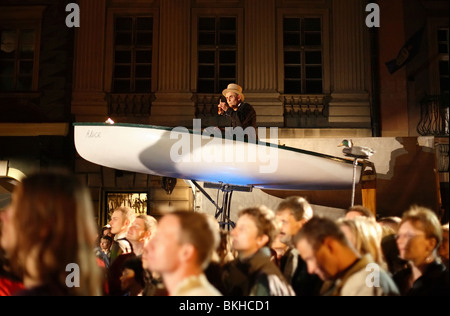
{"points": [[300, 111], [306, 110], [434, 116], [121, 104]]}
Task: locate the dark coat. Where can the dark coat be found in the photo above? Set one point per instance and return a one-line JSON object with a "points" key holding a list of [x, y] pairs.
{"points": [[245, 116], [303, 283], [433, 282], [256, 276]]}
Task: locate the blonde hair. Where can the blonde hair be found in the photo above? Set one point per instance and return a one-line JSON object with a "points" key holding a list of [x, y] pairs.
{"points": [[367, 236], [127, 213], [150, 224], [426, 220]]}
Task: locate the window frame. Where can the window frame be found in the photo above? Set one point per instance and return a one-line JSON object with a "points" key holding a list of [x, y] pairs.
{"points": [[29, 17], [105, 212], [433, 52], [305, 13], [112, 13], [218, 12]]}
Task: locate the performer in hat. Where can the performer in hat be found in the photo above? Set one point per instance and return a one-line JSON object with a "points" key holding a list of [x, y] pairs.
{"points": [[241, 114]]}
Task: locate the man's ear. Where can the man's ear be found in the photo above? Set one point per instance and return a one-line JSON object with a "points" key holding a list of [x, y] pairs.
{"points": [[187, 252], [262, 240], [329, 243], [147, 235], [432, 242], [300, 223]]}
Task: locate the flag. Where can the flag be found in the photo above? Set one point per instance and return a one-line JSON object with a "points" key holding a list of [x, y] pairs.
{"points": [[408, 52]]}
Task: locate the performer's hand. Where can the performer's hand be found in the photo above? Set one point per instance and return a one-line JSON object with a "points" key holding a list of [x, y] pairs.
{"points": [[222, 108]]}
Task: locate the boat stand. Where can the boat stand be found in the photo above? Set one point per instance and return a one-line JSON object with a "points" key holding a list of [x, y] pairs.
{"points": [[223, 213], [355, 164]]}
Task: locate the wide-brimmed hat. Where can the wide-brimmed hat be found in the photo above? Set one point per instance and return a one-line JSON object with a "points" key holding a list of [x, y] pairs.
{"points": [[232, 87]]}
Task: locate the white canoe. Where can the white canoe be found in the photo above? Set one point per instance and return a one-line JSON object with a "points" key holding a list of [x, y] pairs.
{"points": [[191, 155]]}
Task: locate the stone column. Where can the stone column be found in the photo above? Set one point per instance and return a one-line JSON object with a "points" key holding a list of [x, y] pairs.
{"points": [[173, 105], [260, 79], [350, 105], [88, 97]]}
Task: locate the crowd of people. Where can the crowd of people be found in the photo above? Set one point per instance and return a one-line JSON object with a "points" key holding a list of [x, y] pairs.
{"points": [[51, 245]]}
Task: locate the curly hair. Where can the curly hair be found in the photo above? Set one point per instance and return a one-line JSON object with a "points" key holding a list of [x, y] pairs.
{"points": [[264, 219]]}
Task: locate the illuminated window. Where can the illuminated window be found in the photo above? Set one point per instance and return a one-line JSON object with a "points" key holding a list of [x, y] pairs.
{"points": [[138, 201]]}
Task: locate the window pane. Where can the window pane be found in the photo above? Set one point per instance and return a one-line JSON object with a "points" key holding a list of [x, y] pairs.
{"points": [[205, 86], [144, 56], [228, 24], [291, 39], [313, 58], [227, 72], [122, 72], [443, 48], [24, 83], [292, 58], [143, 86], [206, 71], [206, 24], [27, 44], [314, 86], [217, 57], [227, 57], [122, 57], [444, 84], [312, 24], [6, 83], [313, 39], [443, 68], [27, 36], [227, 38], [9, 41], [7, 55], [314, 72], [123, 38], [292, 87], [124, 24], [143, 71], [26, 68], [223, 84], [292, 72], [7, 68], [206, 57], [122, 85], [442, 35], [144, 39], [144, 24], [206, 38], [302, 54], [291, 24]]}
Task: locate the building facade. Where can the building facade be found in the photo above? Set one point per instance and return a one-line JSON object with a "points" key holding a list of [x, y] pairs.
{"points": [[313, 68]]}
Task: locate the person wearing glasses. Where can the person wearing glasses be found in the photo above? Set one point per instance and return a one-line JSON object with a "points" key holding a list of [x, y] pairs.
{"points": [[418, 240]]}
